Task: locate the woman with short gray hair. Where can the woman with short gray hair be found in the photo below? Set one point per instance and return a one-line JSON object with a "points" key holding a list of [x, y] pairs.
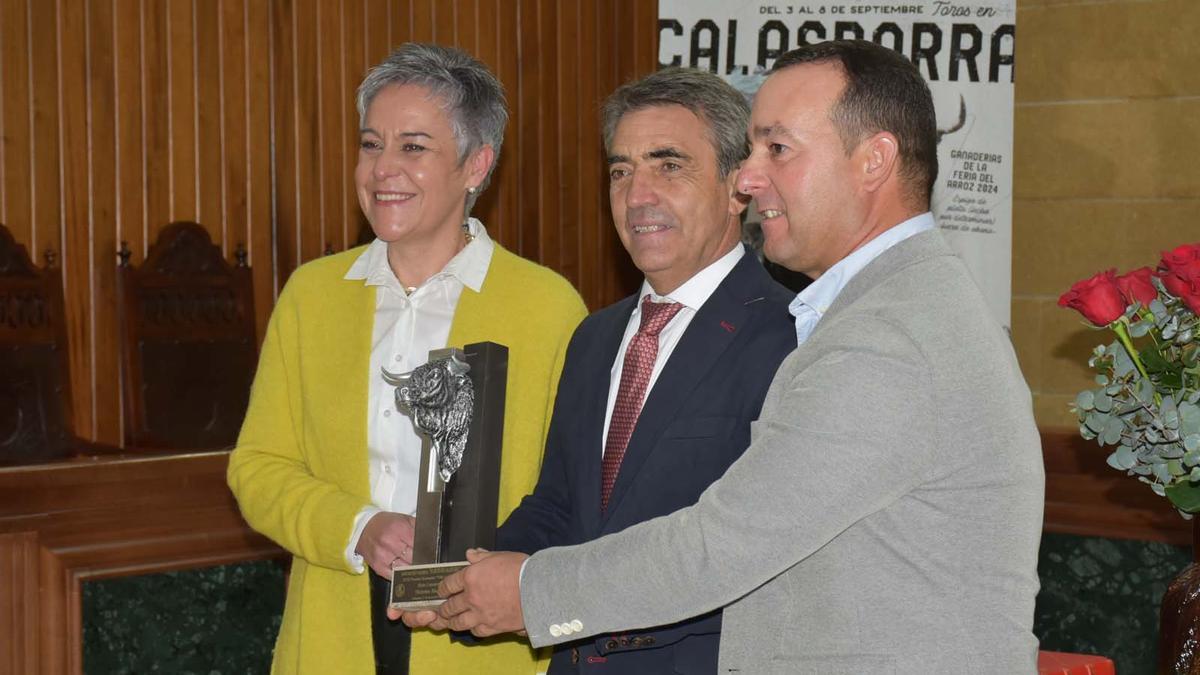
{"points": [[325, 465], [472, 98]]}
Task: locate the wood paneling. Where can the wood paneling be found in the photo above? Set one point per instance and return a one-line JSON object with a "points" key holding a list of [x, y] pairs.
{"points": [[63, 524], [1086, 496], [120, 116], [19, 611]]}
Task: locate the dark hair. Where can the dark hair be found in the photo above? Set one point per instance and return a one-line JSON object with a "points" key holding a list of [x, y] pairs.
{"points": [[707, 96], [884, 92]]}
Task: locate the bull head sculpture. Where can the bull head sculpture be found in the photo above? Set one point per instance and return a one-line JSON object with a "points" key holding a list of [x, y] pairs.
{"points": [[440, 398]]}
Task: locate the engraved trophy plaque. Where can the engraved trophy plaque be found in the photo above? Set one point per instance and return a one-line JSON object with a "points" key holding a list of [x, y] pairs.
{"points": [[456, 402]]}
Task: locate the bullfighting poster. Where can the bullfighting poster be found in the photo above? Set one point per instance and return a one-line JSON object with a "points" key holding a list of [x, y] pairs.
{"points": [[964, 48]]}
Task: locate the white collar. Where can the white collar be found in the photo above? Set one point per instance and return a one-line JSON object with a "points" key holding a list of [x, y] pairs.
{"points": [[820, 294], [695, 291], [469, 266]]}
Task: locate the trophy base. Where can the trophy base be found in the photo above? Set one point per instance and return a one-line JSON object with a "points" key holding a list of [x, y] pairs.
{"points": [[415, 587]]}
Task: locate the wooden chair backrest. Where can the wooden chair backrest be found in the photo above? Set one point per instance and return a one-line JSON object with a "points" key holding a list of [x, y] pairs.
{"points": [[188, 343], [36, 422]]}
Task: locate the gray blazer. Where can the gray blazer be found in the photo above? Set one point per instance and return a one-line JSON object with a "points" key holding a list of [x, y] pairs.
{"points": [[885, 518]]}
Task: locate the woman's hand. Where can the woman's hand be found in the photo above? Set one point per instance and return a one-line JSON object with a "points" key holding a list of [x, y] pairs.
{"points": [[387, 538]]}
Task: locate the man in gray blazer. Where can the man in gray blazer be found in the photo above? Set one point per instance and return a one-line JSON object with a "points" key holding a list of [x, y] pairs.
{"points": [[887, 514]]}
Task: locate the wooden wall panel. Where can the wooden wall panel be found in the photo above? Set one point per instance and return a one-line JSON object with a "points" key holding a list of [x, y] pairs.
{"points": [[502, 201], [102, 189], [73, 96], [115, 124], [352, 50], [19, 607], [422, 22], [67, 523], [129, 160], [46, 162], [209, 78], [118, 117], [16, 119], [233, 120], [307, 133], [285, 180], [591, 206], [331, 100], [375, 33], [1085, 496], [260, 98], [158, 146], [527, 99], [181, 112]]}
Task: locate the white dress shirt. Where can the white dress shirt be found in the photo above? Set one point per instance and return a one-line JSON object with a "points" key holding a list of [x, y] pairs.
{"points": [[811, 304], [406, 328], [692, 294]]}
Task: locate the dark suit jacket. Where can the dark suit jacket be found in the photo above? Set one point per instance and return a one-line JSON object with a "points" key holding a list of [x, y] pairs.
{"points": [[695, 422]]}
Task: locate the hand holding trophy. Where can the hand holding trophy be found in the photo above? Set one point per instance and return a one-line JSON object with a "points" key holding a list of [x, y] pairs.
{"points": [[456, 401]]}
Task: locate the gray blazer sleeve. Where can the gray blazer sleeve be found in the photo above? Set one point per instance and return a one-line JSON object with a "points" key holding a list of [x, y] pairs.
{"points": [[847, 430]]}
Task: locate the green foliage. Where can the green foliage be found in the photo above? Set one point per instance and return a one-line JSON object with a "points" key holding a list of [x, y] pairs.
{"points": [[1146, 406]]}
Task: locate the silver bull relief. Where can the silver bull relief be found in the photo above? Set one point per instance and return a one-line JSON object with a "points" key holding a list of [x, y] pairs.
{"points": [[440, 398]]}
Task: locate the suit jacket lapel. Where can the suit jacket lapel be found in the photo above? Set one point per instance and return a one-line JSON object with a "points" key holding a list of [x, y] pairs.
{"points": [[726, 312], [916, 249]]}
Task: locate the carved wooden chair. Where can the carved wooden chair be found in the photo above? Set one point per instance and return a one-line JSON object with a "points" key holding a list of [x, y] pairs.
{"points": [[35, 395], [188, 344]]}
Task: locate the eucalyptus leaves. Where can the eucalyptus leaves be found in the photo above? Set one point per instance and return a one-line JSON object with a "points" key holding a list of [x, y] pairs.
{"points": [[1147, 404]]}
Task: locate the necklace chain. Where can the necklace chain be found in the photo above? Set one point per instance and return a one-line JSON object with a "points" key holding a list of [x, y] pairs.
{"points": [[467, 239]]}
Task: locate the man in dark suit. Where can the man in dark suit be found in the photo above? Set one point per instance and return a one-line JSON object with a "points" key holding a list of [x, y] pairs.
{"points": [[658, 390]]}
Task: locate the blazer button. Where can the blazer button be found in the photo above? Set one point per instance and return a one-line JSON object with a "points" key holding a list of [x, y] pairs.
{"points": [[555, 630], [566, 629], [624, 642], [576, 625], [648, 640], [611, 644], [636, 642]]}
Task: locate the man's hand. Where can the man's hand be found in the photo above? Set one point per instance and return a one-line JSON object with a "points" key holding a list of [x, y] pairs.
{"points": [[387, 537], [425, 618], [484, 598]]}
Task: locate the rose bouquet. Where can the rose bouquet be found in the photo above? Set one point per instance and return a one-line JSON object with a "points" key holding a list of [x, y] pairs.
{"points": [[1146, 405]]}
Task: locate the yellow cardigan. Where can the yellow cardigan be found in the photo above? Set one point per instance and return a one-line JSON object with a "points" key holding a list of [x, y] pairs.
{"points": [[299, 471]]}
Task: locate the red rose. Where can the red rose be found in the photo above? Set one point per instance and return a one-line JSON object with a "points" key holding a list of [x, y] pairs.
{"points": [[1098, 299], [1137, 287], [1180, 274], [1180, 255]]}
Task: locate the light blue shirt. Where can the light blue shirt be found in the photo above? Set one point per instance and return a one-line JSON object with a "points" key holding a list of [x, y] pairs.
{"points": [[812, 302]]}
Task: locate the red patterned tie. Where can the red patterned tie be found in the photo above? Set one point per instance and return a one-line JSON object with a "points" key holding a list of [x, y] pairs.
{"points": [[635, 375]]}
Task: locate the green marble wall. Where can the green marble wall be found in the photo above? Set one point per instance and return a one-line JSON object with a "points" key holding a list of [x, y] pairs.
{"points": [[213, 621], [1098, 595], [1101, 596]]}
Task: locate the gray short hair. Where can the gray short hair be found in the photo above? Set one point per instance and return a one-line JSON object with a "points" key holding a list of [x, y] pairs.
{"points": [[471, 95], [710, 98]]}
